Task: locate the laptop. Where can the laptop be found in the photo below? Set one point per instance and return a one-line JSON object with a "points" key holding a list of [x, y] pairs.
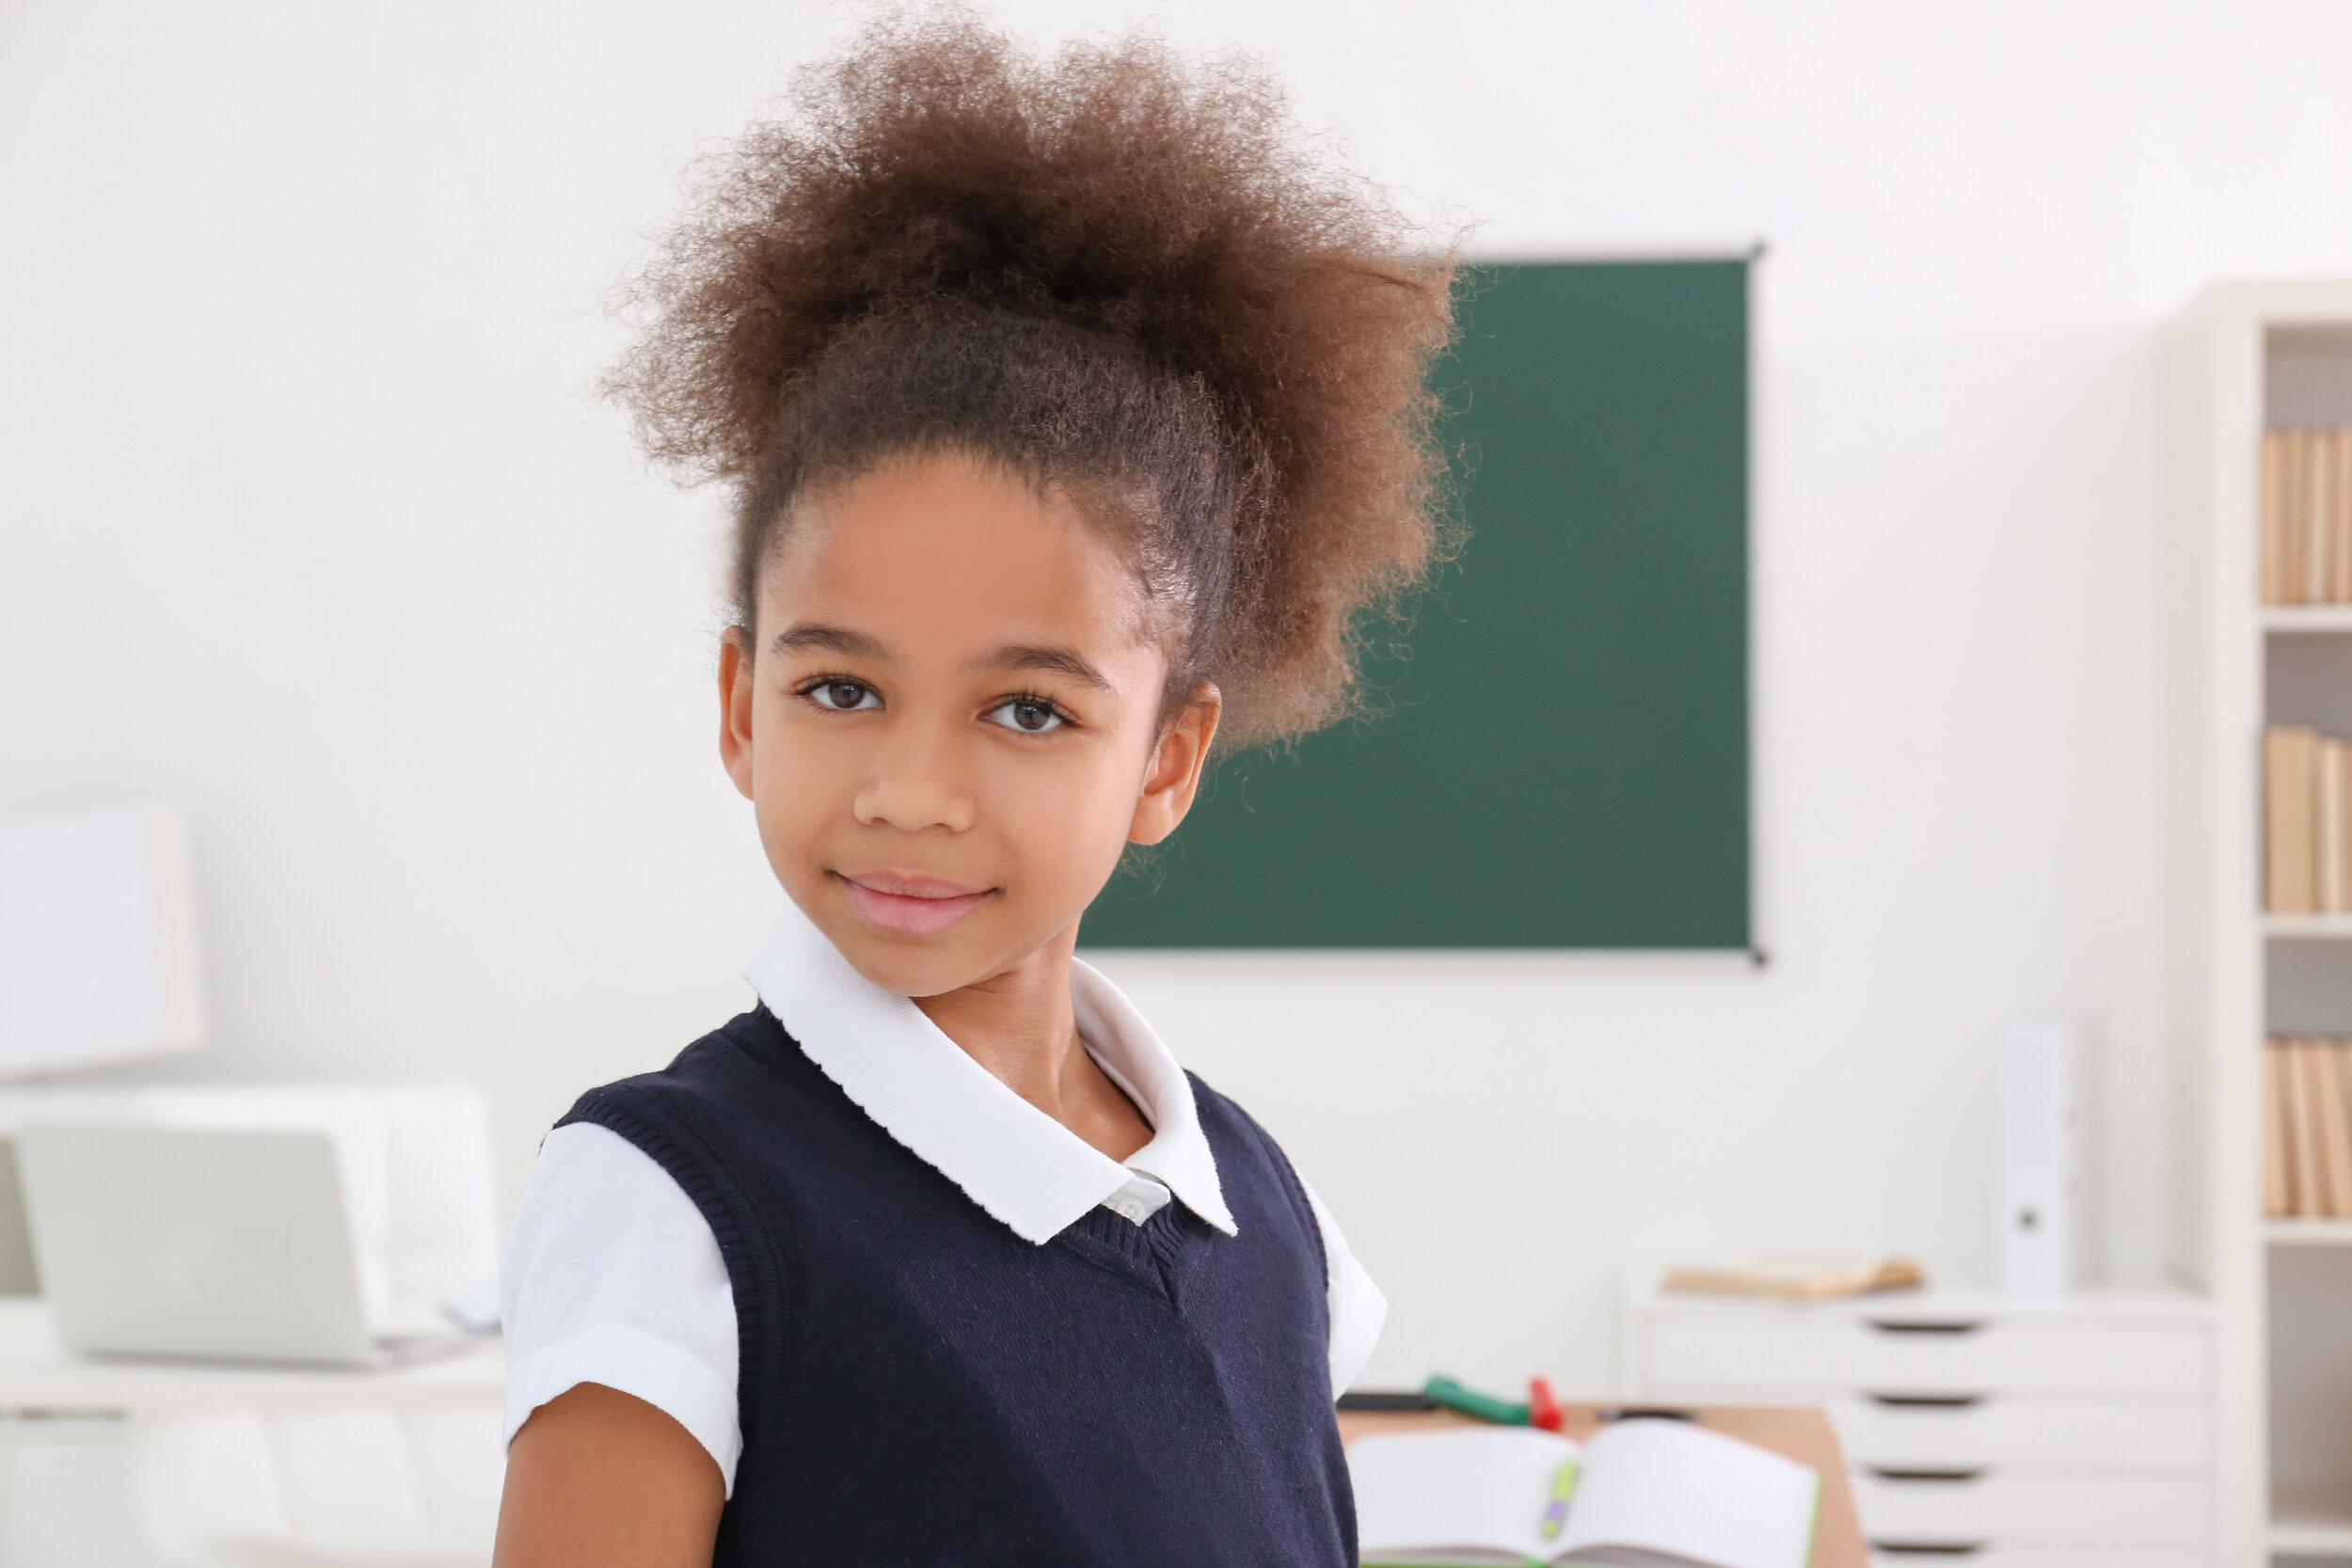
{"points": [[220, 1246]]}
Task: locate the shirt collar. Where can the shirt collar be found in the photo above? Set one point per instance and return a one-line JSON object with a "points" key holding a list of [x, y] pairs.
{"points": [[1015, 1161]]}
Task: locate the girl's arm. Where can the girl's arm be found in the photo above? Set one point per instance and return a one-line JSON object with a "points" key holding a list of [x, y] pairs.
{"points": [[599, 1478]]}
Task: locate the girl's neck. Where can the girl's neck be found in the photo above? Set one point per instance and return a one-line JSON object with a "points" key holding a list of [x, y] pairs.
{"points": [[1020, 1025]]}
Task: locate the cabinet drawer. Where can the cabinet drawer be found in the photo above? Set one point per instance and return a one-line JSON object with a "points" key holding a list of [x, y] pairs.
{"points": [[1964, 1358], [2028, 1431], [2032, 1434], [2019, 1509]]}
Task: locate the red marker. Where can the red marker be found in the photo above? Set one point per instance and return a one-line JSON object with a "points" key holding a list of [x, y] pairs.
{"points": [[1542, 1409]]}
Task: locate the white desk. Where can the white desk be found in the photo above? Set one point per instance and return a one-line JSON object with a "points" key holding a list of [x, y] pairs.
{"points": [[37, 1375], [230, 1456]]}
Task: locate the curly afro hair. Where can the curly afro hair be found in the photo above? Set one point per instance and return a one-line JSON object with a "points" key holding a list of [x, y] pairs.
{"points": [[1120, 270]]}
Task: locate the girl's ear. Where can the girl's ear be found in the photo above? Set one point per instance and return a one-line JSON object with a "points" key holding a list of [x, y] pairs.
{"points": [[735, 706], [1177, 764]]}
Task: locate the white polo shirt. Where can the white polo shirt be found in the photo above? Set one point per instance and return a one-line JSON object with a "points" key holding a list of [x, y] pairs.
{"points": [[611, 1274]]}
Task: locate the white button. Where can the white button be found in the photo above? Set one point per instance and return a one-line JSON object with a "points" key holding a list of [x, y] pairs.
{"points": [[1132, 1210]]}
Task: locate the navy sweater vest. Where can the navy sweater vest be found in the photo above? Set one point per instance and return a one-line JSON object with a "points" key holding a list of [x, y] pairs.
{"points": [[919, 1384]]}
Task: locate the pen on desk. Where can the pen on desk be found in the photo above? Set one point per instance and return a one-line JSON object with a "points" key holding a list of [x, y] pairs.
{"points": [[1556, 1511]]}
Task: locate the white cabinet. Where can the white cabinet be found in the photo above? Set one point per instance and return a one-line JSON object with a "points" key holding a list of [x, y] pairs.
{"points": [[2076, 1433]]}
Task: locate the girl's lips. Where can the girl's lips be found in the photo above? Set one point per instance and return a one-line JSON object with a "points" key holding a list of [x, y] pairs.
{"points": [[911, 906]]}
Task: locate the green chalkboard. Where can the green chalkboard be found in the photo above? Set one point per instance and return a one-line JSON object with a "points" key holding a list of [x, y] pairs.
{"points": [[1563, 756]]}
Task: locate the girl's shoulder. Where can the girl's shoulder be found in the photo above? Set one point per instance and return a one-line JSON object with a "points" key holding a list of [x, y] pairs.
{"points": [[726, 1115], [736, 1070], [1224, 1120], [1247, 1152]]}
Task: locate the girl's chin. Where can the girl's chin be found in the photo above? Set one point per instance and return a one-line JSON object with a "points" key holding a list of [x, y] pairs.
{"points": [[912, 970]]}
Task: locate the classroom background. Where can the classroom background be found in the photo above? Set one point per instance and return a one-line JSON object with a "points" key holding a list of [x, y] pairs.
{"points": [[311, 525]]}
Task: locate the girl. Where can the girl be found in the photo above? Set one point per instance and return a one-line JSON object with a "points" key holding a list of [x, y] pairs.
{"points": [[1073, 417]]}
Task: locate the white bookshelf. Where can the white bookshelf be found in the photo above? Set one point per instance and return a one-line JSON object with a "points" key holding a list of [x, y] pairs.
{"points": [[2248, 355]]}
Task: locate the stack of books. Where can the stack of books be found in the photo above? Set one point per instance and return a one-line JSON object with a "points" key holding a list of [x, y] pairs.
{"points": [[2307, 517], [2307, 821], [1795, 1276], [2306, 1128]]}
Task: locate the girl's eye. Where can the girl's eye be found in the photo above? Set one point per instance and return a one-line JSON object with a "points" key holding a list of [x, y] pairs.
{"points": [[843, 696], [1028, 715]]}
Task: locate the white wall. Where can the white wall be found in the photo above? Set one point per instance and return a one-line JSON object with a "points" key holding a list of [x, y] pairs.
{"points": [[308, 524]]}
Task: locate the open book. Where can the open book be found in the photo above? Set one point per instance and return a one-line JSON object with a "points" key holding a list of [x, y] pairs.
{"points": [[1642, 1493]]}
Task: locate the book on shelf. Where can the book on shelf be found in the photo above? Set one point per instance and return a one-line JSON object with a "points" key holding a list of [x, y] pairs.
{"points": [[2303, 1118], [2307, 821], [2278, 1180], [2306, 1128], [2331, 877], [2307, 517], [2329, 1082]]}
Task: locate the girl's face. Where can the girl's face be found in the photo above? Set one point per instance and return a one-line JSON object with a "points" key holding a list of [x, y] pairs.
{"points": [[948, 720]]}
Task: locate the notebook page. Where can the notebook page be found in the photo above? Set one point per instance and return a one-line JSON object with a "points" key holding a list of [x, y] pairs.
{"points": [[1672, 1487], [1441, 1495]]}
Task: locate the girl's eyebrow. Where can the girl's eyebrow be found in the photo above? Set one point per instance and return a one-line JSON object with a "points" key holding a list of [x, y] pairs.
{"points": [[1060, 660], [839, 640]]}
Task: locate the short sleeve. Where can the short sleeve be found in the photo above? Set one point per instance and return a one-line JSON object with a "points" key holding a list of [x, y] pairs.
{"points": [[612, 1276], [1359, 1310]]}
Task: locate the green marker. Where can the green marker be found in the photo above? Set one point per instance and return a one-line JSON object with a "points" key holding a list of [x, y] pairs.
{"points": [[1486, 1407]]}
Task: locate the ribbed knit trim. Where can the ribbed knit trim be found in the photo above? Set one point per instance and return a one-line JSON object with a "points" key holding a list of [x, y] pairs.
{"points": [[750, 1261]]}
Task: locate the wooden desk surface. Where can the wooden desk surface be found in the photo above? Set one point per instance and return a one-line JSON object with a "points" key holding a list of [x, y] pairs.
{"points": [[1799, 1431]]}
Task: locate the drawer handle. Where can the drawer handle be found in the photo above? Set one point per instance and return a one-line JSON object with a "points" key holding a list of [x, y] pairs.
{"points": [[1926, 1325], [1925, 1472], [1926, 1401], [1927, 1548]]}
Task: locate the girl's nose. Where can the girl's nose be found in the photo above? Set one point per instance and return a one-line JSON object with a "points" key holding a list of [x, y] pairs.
{"points": [[920, 779]]}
